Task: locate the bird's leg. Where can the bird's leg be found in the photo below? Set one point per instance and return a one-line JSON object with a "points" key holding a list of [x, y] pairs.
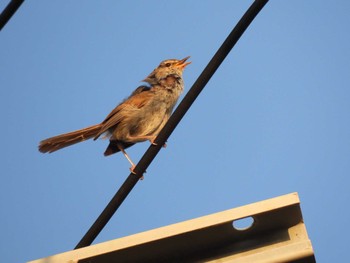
{"points": [[151, 138], [129, 159]]}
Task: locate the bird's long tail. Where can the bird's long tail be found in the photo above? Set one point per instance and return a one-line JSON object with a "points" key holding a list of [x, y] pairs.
{"points": [[60, 141]]}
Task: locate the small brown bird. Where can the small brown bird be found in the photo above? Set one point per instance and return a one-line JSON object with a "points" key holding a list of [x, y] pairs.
{"points": [[138, 118]]}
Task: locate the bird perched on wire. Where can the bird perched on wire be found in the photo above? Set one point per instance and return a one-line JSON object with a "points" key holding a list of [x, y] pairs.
{"points": [[138, 118]]}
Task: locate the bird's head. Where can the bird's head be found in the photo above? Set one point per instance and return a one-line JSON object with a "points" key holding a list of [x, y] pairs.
{"points": [[167, 67]]}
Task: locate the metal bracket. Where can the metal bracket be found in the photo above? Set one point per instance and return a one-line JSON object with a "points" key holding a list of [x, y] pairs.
{"points": [[275, 233]]}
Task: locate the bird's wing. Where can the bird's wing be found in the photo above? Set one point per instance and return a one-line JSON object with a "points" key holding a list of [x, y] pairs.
{"points": [[136, 100]]}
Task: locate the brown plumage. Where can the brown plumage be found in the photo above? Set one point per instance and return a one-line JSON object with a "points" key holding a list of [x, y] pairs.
{"points": [[138, 118]]}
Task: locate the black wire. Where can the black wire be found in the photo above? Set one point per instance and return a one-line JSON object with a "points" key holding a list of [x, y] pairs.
{"points": [[174, 120], [9, 11]]}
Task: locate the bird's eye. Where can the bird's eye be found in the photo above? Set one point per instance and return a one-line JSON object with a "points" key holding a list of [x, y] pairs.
{"points": [[168, 64]]}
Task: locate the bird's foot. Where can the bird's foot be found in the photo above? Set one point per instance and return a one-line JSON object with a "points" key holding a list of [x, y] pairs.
{"points": [[132, 170], [154, 143]]}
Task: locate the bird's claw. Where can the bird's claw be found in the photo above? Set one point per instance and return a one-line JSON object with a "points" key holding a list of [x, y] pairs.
{"points": [[132, 168], [154, 143]]}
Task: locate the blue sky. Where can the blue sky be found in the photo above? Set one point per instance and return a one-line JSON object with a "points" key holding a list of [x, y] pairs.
{"points": [[273, 120]]}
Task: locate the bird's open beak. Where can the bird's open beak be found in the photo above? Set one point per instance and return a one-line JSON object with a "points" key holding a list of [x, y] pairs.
{"points": [[182, 63]]}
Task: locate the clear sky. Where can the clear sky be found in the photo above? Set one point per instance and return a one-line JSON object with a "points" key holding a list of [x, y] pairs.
{"points": [[273, 120]]}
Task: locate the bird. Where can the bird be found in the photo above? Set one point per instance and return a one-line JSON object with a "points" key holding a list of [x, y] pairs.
{"points": [[138, 118]]}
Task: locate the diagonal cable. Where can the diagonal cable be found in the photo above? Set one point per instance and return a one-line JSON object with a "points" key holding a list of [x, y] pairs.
{"points": [[9, 11], [174, 120]]}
